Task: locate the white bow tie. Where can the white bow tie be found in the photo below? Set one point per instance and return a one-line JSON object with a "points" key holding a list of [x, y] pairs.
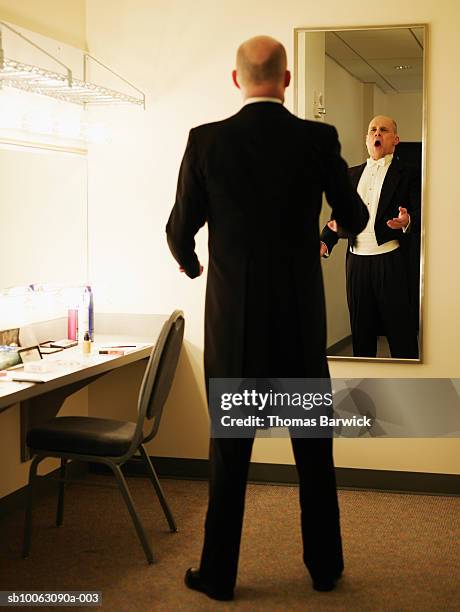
{"points": [[375, 162]]}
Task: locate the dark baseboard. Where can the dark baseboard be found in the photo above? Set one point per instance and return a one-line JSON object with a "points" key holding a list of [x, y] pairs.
{"points": [[347, 478], [268, 473], [399, 482], [47, 485]]}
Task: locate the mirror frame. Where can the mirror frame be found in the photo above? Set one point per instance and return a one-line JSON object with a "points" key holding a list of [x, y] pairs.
{"points": [[297, 32]]}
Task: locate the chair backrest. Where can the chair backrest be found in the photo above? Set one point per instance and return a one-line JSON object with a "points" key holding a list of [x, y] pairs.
{"points": [[159, 375]]}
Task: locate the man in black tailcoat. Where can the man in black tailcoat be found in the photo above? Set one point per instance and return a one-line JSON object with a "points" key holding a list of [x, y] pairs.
{"points": [[257, 180]]}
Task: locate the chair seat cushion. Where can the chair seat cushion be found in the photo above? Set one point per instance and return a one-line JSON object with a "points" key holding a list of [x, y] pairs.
{"points": [[83, 435]]}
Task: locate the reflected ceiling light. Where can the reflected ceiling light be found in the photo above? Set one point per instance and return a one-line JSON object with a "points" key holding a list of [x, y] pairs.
{"points": [[403, 67]]}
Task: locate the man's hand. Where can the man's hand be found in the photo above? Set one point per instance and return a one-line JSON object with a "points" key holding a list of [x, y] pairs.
{"points": [[397, 223], [201, 269], [322, 249]]}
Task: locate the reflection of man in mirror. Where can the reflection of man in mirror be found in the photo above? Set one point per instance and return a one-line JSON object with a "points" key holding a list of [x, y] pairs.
{"points": [[378, 284]]}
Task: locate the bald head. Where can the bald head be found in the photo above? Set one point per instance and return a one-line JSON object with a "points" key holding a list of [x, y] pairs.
{"points": [[261, 66], [384, 119]]}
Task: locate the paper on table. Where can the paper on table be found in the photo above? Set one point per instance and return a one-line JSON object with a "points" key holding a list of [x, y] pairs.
{"points": [[43, 371]]}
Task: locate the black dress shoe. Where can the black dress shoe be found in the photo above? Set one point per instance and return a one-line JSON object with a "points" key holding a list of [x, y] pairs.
{"points": [[193, 581], [326, 584]]}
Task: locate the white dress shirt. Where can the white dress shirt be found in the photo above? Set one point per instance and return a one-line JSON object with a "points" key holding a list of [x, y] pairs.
{"points": [[261, 99], [369, 188]]}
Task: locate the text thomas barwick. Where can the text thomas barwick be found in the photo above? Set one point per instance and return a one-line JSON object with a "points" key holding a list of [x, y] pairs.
{"points": [[276, 421]]}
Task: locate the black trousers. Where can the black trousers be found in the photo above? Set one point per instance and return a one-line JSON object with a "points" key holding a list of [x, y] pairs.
{"points": [[322, 544], [378, 301]]}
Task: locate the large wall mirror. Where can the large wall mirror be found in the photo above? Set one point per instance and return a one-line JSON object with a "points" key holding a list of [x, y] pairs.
{"points": [[348, 77], [43, 216], [43, 182]]}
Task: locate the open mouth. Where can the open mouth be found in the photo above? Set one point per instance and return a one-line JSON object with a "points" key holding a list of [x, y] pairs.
{"points": [[377, 143]]}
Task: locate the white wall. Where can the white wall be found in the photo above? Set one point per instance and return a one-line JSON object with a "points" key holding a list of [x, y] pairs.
{"points": [[379, 104], [406, 109], [345, 109], [182, 53], [65, 21], [344, 103]]}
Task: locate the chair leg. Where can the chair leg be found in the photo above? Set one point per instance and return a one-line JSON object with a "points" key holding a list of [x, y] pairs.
{"points": [[29, 502], [159, 491], [62, 483], [132, 511]]}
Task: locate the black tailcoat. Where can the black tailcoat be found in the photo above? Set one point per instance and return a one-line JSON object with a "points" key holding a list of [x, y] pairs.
{"points": [[401, 187], [257, 179]]}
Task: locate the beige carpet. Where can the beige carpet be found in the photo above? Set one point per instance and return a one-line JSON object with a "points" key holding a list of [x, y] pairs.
{"points": [[402, 552]]}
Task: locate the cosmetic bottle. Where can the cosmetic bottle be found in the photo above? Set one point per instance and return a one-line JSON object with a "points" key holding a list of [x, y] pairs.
{"points": [[72, 324], [86, 344], [83, 315], [90, 313]]}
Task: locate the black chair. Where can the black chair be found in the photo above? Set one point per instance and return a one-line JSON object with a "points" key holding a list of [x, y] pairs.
{"points": [[112, 442]]}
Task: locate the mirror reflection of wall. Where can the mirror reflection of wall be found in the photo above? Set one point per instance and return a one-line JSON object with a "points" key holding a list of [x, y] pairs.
{"points": [[345, 78], [43, 216], [43, 195]]}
